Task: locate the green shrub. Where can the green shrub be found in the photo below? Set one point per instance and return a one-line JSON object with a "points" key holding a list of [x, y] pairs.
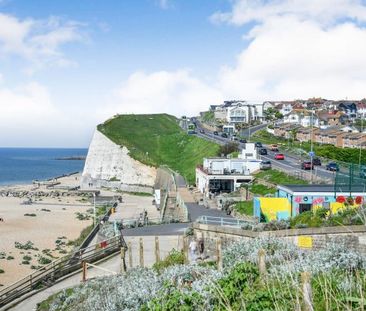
{"points": [[244, 208], [44, 260], [27, 258], [2, 271], [174, 258], [9, 257]]}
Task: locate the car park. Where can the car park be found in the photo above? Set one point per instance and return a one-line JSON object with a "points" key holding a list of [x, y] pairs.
{"points": [[265, 165], [332, 166], [263, 151], [279, 156], [317, 162], [307, 165]]}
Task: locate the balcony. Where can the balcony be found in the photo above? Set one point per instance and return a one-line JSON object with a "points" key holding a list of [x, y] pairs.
{"points": [[224, 172]]}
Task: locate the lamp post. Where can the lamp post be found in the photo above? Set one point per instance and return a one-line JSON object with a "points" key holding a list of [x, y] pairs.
{"points": [[94, 210], [311, 146]]}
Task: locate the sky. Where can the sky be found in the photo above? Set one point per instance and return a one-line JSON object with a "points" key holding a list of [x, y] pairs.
{"points": [[67, 65]]}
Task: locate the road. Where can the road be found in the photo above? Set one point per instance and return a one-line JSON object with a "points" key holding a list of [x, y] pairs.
{"points": [[289, 164]]}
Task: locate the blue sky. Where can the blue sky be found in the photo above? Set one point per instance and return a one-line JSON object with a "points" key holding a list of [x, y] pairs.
{"points": [[67, 65]]}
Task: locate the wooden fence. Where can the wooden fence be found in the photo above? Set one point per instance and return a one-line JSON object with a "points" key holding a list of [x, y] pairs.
{"points": [[49, 274]]}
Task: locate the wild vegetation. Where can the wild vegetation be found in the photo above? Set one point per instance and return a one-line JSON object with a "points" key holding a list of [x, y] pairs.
{"points": [[338, 282], [157, 139]]}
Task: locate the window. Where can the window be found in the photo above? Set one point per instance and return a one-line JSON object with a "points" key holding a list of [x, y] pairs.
{"points": [[304, 207]]}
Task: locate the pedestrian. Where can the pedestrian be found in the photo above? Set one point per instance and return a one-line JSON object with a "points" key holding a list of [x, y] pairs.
{"points": [[193, 250], [201, 248]]}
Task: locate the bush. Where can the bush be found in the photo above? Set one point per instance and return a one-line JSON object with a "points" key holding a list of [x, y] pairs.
{"points": [[44, 260], [228, 148], [174, 258], [30, 214], [9, 257], [2, 271]]}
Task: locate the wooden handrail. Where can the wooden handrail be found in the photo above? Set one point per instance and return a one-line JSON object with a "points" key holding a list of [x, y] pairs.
{"points": [[59, 268]]}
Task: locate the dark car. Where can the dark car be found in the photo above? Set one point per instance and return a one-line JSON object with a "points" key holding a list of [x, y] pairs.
{"points": [[263, 151], [224, 135], [317, 162], [258, 144], [307, 165], [202, 131], [332, 166], [243, 141], [216, 133]]}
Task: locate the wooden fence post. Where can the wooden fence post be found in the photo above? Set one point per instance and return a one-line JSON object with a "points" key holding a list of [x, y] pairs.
{"points": [[141, 253], [130, 254], [84, 271], [157, 249], [123, 260], [307, 292], [185, 249], [219, 253], [262, 263]]}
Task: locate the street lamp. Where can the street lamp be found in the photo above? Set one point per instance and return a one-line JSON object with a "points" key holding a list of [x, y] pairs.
{"points": [[311, 145], [94, 210]]}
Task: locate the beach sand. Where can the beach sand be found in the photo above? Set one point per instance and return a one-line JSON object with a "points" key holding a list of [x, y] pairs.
{"points": [[42, 230]]}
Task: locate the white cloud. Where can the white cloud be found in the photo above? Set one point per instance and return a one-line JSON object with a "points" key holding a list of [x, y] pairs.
{"points": [[38, 41], [176, 92], [294, 52], [322, 11]]}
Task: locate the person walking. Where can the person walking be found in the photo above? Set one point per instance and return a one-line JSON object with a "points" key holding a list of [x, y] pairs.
{"points": [[193, 250]]}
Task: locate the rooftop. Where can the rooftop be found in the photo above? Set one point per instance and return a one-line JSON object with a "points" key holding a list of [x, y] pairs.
{"points": [[321, 188]]}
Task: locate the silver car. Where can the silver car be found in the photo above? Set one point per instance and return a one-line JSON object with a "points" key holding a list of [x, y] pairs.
{"points": [[266, 165]]}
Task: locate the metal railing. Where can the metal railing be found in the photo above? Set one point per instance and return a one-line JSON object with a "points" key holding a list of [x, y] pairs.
{"points": [[59, 268], [222, 221]]}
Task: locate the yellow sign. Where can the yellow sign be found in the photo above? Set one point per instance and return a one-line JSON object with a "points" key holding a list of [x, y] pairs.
{"points": [[305, 241]]}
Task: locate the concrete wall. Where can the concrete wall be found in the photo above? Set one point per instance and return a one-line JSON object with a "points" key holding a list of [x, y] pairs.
{"points": [[108, 161], [352, 236]]}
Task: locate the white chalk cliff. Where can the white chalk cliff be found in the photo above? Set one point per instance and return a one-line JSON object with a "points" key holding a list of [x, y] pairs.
{"points": [[107, 160]]}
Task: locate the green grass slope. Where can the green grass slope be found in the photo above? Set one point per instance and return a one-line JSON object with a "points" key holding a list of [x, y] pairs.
{"points": [[157, 139]]}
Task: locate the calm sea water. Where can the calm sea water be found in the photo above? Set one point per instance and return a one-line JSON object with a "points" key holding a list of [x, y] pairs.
{"points": [[22, 165]]}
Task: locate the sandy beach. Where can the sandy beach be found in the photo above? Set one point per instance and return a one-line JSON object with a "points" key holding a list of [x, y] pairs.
{"points": [[55, 223]]}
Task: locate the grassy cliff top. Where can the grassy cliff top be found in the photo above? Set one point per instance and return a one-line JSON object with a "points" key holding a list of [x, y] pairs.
{"points": [[157, 139]]}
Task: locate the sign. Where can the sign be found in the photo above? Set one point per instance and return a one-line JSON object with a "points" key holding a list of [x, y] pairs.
{"points": [[311, 154], [305, 242]]}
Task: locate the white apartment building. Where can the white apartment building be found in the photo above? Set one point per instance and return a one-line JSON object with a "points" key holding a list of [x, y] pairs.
{"points": [[226, 174]]}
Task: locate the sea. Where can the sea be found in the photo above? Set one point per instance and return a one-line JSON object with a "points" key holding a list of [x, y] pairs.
{"points": [[22, 165]]}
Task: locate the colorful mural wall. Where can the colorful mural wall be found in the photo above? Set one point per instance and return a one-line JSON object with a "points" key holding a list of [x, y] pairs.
{"points": [[286, 204]]}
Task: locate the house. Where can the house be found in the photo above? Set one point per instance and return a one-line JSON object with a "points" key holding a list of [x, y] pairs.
{"points": [[361, 109], [227, 174], [243, 111], [292, 200], [302, 117], [286, 130], [284, 107], [306, 134], [353, 140], [332, 136], [331, 118], [349, 108]]}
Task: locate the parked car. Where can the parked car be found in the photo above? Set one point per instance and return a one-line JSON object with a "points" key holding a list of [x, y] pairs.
{"points": [[307, 165], [202, 131], [317, 162], [265, 165], [224, 135], [216, 133], [258, 144], [263, 151], [274, 148], [279, 156], [234, 138], [363, 172], [243, 141], [332, 166]]}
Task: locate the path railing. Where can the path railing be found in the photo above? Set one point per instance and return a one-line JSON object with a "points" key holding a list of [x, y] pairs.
{"points": [[222, 221], [59, 268]]}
